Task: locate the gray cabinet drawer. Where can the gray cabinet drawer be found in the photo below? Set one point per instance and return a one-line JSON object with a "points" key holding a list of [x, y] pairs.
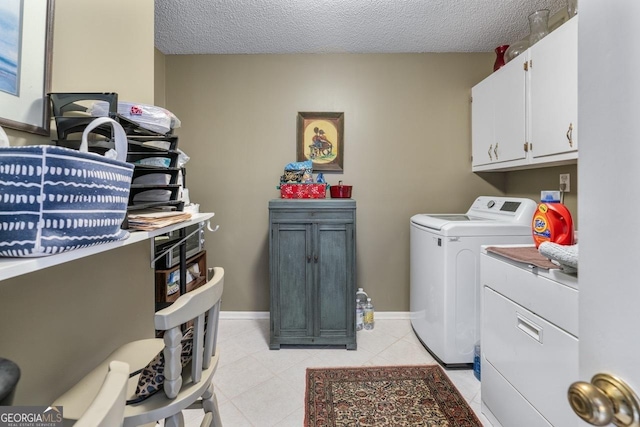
{"points": [[303, 217]]}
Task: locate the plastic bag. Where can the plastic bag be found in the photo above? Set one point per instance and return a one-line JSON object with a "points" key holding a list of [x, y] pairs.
{"points": [[183, 158], [306, 168], [156, 119]]}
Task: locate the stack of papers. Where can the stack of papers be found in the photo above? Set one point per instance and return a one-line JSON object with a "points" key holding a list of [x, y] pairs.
{"points": [[151, 220]]}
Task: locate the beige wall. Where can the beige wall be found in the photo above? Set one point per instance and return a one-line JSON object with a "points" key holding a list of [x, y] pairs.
{"points": [[105, 46], [59, 322], [529, 183], [159, 78], [407, 150]]}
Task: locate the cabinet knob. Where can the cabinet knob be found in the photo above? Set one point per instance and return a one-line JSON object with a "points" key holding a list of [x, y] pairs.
{"points": [[490, 148], [308, 258], [605, 400], [315, 258], [570, 134]]}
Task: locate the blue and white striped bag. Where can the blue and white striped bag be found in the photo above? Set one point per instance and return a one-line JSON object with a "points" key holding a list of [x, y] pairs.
{"points": [[55, 199]]}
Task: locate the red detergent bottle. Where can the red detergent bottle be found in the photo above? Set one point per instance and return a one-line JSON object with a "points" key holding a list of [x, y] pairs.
{"points": [[552, 223]]}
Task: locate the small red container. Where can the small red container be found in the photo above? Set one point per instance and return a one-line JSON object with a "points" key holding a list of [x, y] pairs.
{"points": [[340, 191]]}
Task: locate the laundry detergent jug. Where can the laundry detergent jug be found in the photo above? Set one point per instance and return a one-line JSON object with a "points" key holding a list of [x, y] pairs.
{"points": [[552, 223]]}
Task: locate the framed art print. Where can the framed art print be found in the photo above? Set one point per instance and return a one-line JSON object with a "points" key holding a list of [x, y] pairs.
{"points": [[321, 139]]}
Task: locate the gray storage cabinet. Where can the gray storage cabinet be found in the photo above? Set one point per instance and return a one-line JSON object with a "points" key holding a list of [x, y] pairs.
{"points": [[312, 261]]}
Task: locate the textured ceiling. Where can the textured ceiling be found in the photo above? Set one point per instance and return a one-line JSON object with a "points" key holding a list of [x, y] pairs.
{"points": [[341, 26]]}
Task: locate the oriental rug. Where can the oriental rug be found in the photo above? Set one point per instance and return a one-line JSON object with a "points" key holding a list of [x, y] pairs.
{"points": [[384, 396]]}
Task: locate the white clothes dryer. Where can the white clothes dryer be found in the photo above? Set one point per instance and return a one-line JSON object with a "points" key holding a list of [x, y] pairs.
{"points": [[445, 271]]}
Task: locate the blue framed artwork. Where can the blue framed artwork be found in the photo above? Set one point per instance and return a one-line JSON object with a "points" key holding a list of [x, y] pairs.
{"points": [[10, 30], [26, 38]]}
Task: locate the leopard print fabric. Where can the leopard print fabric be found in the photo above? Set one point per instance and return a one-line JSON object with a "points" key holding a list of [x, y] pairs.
{"points": [[152, 376], [292, 176]]}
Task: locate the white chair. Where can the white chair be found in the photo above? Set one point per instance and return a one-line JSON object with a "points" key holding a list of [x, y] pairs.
{"points": [[107, 408], [183, 386]]}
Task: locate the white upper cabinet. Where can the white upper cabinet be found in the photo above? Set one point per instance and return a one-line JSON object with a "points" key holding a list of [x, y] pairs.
{"points": [[525, 114], [554, 93], [498, 116], [483, 127]]}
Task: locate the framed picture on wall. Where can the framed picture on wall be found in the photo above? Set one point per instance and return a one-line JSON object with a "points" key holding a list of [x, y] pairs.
{"points": [[26, 40], [321, 139]]}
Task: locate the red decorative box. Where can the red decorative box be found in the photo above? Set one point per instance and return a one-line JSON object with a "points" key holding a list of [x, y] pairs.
{"points": [[303, 191]]}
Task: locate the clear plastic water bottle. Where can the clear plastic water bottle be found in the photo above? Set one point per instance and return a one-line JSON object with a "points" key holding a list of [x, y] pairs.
{"points": [[359, 315], [361, 299], [476, 360], [368, 315], [362, 296]]}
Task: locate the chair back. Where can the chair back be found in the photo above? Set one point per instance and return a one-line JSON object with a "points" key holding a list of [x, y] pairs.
{"points": [[200, 306], [107, 408]]}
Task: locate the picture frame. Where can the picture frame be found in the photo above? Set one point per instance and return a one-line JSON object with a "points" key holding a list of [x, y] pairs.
{"points": [[321, 139], [26, 54]]}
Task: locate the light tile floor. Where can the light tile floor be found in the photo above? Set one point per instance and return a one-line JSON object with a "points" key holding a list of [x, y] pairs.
{"points": [[258, 387]]}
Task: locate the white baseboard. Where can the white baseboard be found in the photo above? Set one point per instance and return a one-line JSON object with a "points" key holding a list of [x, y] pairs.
{"points": [[253, 315], [393, 315], [244, 315]]}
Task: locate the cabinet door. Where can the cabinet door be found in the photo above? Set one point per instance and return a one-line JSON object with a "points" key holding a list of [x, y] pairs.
{"points": [[510, 111], [291, 296], [483, 121], [554, 92], [334, 280], [498, 117]]}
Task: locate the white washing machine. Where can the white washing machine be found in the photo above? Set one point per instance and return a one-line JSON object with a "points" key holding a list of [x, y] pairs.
{"points": [[445, 271]]}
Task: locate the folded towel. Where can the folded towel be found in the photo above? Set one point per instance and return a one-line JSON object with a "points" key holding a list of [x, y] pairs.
{"points": [[526, 254], [565, 256]]}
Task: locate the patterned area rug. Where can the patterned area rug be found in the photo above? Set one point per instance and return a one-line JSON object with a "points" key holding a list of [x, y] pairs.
{"points": [[384, 396]]}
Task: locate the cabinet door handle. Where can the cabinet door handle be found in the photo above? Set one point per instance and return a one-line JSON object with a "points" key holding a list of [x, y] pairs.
{"points": [[308, 258], [315, 258], [490, 148], [529, 328], [495, 150], [570, 134]]}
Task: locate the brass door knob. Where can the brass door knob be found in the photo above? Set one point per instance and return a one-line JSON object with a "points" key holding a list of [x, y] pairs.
{"points": [[605, 400]]}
